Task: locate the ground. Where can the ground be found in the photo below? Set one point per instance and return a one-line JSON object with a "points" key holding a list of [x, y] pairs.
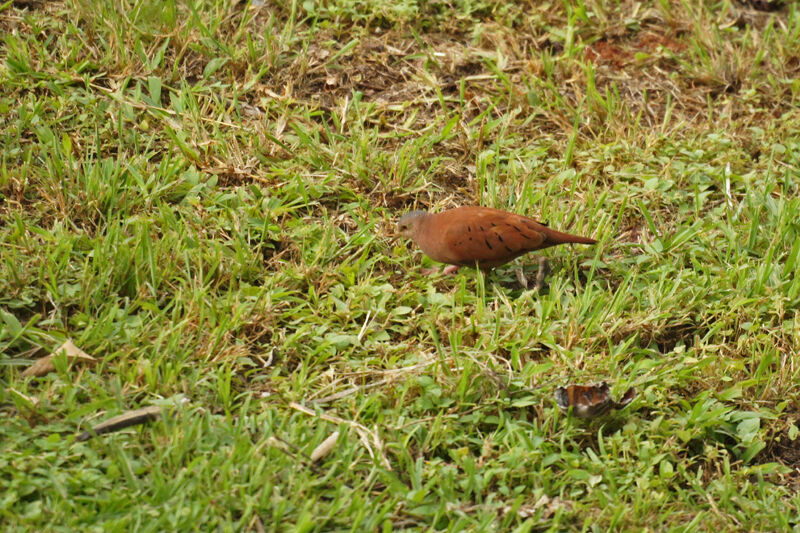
{"points": [[201, 195]]}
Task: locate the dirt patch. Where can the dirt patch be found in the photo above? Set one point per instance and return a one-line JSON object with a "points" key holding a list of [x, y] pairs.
{"points": [[375, 67], [620, 52], [610, 53], [666, 337], [764, 5], [387, 69], [785, 451], [29, 4], [650, 41]]}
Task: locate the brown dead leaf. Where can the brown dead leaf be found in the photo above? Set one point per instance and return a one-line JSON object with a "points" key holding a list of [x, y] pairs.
{"points": [[45, 365]]}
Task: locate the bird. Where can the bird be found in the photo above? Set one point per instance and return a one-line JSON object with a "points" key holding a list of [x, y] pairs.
{"points": [[482, 236]]}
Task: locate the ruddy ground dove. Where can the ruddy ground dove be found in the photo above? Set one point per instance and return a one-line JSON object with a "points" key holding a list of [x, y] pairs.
{"points": [[488, 237]]}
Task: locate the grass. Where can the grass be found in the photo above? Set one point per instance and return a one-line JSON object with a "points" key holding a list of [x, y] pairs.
{"points": [[201, 195]]}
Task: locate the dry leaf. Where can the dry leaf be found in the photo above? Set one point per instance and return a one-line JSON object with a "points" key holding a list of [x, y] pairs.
{"points": [[277, 443], [364, 434], [549, 505], [325, 447], [31, 401], [45, 364]]}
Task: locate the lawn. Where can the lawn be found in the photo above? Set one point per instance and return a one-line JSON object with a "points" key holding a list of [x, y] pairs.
{"points": [[202, 197]]}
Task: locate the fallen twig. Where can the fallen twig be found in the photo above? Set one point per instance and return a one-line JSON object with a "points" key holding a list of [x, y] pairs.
{"points": [[131, 418]]}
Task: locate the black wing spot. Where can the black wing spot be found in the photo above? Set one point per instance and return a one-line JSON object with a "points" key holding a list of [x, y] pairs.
{"points": [[509, 249], [470, 238], [487, 244], [493, 224], [469, 229], [481, 228], [500, 238], [516, 228]]}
